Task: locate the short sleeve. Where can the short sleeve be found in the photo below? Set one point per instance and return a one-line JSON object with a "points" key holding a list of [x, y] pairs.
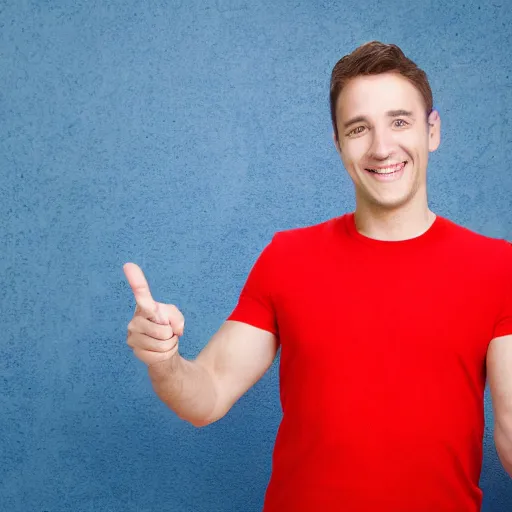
{"points": [[503, 325], [255, 305]]}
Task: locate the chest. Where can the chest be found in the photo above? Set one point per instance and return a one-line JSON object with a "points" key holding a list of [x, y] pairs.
{"points": [[394, 317]]}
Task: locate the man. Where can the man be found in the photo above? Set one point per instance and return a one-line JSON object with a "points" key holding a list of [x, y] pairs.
{"points": [[388, 318]]}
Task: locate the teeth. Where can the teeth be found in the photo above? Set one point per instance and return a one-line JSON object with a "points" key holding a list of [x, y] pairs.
{"points": [[383, 171], [387, 170]]}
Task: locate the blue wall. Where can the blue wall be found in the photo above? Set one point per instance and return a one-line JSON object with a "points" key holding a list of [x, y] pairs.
{"points": [[181, 135]]}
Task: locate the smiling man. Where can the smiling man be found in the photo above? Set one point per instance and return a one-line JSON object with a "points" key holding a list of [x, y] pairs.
{"points": [[384, 129], [389, 319]]}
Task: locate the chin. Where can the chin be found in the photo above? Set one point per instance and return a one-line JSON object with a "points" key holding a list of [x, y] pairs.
{"points": [[391, 203]]}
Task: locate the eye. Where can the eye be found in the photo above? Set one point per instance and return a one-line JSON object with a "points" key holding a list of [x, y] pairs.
{"points": [[356, 131], [400, 123]]}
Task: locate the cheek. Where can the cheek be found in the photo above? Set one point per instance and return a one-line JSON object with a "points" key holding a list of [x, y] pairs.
{"points": [[354, 151], [412, 144], [418, 136]]}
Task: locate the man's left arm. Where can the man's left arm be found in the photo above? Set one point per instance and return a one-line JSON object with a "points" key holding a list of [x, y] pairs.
{"points": [[499, 366], [499, 375]]}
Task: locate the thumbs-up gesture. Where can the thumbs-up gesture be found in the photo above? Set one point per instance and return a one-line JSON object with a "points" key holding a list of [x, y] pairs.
{"points": [[155, 328]]}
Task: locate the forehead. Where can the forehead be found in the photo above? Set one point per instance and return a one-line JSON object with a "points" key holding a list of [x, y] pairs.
{"points": [[377, 94]]}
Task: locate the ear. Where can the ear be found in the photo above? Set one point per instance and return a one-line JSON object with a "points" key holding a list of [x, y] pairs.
{"points": [[434, 130]]}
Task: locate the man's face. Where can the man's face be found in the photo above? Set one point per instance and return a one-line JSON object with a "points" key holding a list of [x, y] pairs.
{"points": [[384, 139]]}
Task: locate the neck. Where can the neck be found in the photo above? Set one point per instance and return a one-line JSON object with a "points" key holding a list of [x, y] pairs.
{"points": [[403, 223]]}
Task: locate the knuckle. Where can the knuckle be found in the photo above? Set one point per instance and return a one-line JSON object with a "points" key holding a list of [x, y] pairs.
{"points": [[134, 340], [134, 322], [178, 318], [139, 353]]}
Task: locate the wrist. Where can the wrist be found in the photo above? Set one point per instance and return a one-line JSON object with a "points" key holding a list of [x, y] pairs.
{"points": [[162, 370]]}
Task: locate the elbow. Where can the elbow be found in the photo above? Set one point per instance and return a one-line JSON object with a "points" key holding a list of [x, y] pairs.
{"points": [[195, 421], [200, 423], [205, 421]]}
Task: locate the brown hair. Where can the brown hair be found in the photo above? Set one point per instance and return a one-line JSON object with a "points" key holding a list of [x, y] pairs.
{"points": [[374, 58]]}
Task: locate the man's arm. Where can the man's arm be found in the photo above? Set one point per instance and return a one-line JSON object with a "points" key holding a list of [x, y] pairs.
{"points": [[499, 374], [204, 390]]}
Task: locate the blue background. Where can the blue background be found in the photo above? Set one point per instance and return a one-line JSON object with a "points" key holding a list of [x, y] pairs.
{"points": [[181, 135]]}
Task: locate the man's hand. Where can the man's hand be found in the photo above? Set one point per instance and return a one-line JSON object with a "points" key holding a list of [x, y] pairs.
{"points": [[155, 328], [203, 390]]}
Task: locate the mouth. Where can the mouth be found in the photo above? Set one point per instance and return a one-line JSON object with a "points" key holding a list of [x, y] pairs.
{"points": [[387, 173]]}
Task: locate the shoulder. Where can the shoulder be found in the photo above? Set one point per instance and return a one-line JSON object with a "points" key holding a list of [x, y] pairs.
{"points": [[304, 236], [295, 243], [477, 245], [294, 251]]}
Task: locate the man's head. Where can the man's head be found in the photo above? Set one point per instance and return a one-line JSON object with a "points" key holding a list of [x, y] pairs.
{"points": [[381, 108]]}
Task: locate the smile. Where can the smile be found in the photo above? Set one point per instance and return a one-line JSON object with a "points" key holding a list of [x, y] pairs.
{"points": [[387, 174], [391, 169]]}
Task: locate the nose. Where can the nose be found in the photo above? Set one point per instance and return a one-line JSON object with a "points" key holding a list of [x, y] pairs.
{"points": [[382, 144]]}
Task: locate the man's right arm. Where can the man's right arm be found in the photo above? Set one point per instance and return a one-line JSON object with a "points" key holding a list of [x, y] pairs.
{"points": [[203, 390]]}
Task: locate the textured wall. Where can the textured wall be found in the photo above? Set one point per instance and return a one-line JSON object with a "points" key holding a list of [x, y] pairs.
{"points": [[181, 135]]}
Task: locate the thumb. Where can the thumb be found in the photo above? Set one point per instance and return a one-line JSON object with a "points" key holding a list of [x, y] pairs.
{"points": [[142, 293]]}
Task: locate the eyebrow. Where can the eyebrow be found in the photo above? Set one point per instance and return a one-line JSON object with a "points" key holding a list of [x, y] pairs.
{"points": [[389, 113]]}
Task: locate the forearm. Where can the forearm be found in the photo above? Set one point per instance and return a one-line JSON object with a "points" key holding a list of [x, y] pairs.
{"points": [[187, 388]]}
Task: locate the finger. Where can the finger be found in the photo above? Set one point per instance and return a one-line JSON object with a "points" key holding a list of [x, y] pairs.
{"points": [[153, 358], [143, 342], [139, 285], [142, 293], [142, 325], [176, 319]]}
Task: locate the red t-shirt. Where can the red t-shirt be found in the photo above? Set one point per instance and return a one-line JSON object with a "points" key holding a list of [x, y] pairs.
{"points": [[382, 367]]}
